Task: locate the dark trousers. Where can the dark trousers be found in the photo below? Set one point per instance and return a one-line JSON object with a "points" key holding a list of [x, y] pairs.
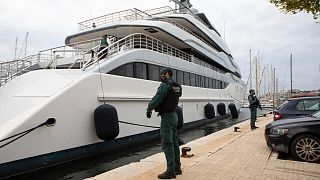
{"points": [[169, 140], [253, 118], [102, 52]]}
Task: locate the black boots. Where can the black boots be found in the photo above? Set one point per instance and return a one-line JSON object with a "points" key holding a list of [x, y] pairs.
{"points": [[254, 127], [178, 171], [167, 175]]}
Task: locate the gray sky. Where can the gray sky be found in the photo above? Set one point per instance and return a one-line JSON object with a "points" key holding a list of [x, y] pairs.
{"points": [[248, 24]]}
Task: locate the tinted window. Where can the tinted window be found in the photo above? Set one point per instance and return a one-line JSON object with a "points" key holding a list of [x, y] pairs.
{"points": [[282, 105], [140, 70], [202, 81], [153, 72], [186, 78], [210, 83], [179, 77], [197, 81], [214, 82], [124, 70], [174, 75], [192, 79], [311, 105], [206, 82]]}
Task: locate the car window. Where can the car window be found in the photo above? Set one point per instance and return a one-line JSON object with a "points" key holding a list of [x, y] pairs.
{"points": [[311, 105], [308, 105], [300, 106], [282, 105]]}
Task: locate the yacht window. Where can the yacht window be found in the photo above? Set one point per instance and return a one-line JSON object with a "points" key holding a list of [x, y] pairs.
{"points": [[206, 82], [140, 70], [124, 70], [186, 78], [179, 77], [174, 75], [217, 84], [220, 85], [210, 83], [192, 79], [202, 81], [198, 84], [153, 72]]}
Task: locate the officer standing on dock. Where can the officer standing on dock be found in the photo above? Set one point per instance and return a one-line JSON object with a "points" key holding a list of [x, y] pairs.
{"points": [[165, 102], [254, 104]]}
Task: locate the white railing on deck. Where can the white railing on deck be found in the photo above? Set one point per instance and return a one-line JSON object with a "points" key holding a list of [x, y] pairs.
{"points": [[143, 41], [111, 18], [130, 14]]}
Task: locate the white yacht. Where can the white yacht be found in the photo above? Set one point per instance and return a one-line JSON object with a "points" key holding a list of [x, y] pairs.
{"points": [[49, 103]]}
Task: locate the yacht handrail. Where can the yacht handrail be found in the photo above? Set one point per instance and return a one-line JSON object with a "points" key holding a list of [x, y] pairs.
{"points": [[143, 41], [11, 68], [128, 14]]}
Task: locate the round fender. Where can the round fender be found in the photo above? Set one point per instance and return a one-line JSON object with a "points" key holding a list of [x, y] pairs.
{"points": [[221, 107], [233, 110], [106, 122], [209, 111], [180, 117]]}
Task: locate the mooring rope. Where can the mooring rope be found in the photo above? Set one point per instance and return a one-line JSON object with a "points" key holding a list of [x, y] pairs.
{"points": [[21, 134], [138, 124]]}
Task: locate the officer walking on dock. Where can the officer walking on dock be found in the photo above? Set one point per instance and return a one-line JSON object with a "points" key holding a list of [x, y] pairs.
{"points": [[254, 104], [165, 102]]}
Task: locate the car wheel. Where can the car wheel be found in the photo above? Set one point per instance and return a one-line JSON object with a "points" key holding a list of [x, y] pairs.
{"points": [[306, 148]]}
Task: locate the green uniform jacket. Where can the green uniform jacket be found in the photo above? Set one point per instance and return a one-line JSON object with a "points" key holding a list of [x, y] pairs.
{"points": [[252, 101], [159, 97], [104, 42]]}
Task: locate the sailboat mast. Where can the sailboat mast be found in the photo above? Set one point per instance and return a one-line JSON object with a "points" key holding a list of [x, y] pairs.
{"points": [[26, 45], [15, 48], [291, 74]]}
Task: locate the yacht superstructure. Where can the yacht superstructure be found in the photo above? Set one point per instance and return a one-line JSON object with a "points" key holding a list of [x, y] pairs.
{"points": [[66, 84]]}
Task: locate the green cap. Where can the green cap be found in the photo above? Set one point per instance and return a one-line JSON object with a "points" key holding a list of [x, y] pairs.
{"points": [[165, 70]]}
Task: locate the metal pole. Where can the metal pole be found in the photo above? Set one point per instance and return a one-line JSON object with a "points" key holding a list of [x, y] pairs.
{"points": [[291, 74], [257, 85], [15, 48], [25, 48], [250, 71], [274, 85]]}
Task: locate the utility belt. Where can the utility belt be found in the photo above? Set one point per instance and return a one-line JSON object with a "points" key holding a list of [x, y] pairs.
{"points": [[164, 112]]}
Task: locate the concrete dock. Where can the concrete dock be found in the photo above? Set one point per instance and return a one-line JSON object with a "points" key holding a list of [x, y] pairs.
{"points": [[223, 155]]}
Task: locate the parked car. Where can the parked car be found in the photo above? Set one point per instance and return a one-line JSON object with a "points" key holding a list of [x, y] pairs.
{"points": [[296, 107], [298, 136]]}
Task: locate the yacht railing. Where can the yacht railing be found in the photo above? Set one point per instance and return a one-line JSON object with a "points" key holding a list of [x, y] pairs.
{"points": [[130, 14], [143, 41], [111, 18], [10, 68]]}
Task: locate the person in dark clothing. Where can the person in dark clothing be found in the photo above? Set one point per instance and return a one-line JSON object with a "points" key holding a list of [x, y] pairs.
{"points": [[254, 104], [165, 102], [103, 51]]}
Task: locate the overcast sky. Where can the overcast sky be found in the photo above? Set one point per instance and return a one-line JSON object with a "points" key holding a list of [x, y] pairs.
{"points": [[246, 25]]}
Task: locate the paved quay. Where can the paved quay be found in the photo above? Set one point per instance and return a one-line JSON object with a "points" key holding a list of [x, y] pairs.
{"points": [[223, 155]]}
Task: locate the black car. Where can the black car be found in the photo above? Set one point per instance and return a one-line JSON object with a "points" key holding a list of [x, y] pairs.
{"points": [[296, 107], [298, 136]]}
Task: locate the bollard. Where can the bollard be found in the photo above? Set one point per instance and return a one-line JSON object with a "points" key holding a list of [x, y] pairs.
{"points": [[184, 152]]}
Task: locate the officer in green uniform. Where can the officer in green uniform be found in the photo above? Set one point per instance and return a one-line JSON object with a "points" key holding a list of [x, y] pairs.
{"points": [[254, 104], [165, 102], [103, 44]]}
